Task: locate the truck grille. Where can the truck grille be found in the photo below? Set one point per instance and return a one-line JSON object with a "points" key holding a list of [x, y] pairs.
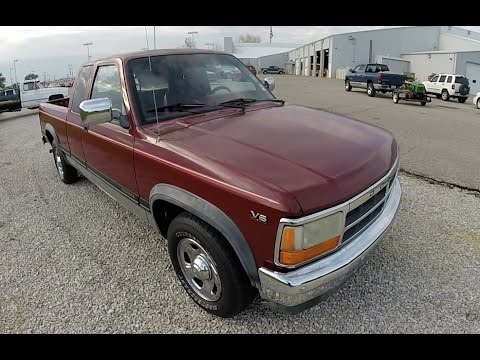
{"points": [[361, 216]]}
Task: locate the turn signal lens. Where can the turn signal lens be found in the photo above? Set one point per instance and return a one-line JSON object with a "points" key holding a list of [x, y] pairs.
{"points": [[302, 243]]}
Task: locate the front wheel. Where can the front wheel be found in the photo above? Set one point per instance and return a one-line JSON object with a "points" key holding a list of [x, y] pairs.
{"points": [[207, 267], [348, 86], [67, 173], [265, 71], [461, 100], [370, 90], [478, 104]]}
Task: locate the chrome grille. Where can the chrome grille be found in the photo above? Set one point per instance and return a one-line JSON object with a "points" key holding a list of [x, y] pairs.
{"points": [[358, 218]]}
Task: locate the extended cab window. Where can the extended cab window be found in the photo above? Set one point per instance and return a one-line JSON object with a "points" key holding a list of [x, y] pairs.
{"points": [[80, 88], [360, 68], [29, 86], [449, 79]]}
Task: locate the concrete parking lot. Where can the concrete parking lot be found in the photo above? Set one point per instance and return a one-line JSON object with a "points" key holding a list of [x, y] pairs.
{"points": [[72, 260], [440, 140]]}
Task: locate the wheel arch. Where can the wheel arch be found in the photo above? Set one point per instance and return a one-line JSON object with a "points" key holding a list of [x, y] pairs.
{"points": [[174, 196], [51, 134]]}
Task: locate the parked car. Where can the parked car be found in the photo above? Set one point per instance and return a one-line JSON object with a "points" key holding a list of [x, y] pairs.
{"points": [[32, 93], [446, 86], [252, 69], [476, 100], [9, 100], [251, 194], [273, 70], [373, 77]]}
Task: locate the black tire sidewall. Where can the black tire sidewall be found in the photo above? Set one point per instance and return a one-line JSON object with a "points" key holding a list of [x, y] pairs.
{"points": [[348, 86], [372, 90], [56, 151], [70, 174], [235, 285]]}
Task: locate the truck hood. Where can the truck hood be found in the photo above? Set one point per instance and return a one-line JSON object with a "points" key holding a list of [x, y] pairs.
{"points": [[320, 158]]}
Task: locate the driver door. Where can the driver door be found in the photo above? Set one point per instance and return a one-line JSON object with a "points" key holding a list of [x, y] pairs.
{"points": [[108, 147]]}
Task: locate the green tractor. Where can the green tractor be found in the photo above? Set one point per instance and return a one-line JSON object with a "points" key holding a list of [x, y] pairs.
{"points": [[411, 90]]}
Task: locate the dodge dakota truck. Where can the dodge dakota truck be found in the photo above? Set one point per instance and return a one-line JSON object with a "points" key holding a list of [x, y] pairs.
{"points": [[373, 77], [253, 195]]}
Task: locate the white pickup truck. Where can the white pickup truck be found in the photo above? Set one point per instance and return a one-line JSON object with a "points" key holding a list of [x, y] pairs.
{"points": [[32, 93]]}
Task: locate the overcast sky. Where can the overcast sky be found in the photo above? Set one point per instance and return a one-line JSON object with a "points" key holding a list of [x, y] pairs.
{"points": [[50, 49]]}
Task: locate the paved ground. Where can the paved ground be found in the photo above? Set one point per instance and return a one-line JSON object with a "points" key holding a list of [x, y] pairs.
{"points": [[74, 261], [440, 140]]}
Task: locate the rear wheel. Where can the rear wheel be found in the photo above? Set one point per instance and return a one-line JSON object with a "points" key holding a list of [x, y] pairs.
{"points": [[207, 267], [478, 104], [370, 90], [445, 95], [462, 100], [348, 86]]}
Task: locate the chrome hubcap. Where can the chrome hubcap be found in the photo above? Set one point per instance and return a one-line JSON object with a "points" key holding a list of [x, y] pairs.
{"points": [[58, 162], [199, 269]]}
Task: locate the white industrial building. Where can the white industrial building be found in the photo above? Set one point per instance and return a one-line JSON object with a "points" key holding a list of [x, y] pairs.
{"points": [[260, 55], [420, 49]]}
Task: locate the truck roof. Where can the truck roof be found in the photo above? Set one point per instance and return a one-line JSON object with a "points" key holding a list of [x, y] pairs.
{"points": [[139, 54]]}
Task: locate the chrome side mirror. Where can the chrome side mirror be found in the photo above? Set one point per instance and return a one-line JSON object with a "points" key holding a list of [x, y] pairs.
{"points": [[95, 111], [269, 83]]}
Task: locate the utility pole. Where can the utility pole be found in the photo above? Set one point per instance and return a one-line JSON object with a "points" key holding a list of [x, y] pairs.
{"points": [[11, 79], [192, 33], [154, 39], [15, 68], [146, 38], [87, 44]]}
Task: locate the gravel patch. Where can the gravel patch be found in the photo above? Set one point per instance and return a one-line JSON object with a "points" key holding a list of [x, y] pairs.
{"points": [[74, 261]]}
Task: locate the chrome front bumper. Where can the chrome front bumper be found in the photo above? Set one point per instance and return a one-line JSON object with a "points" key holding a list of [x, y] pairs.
{"points": [[299, 289]]}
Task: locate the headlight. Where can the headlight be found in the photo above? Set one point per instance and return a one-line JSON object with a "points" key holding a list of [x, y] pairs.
{"points": [[305, 242]]}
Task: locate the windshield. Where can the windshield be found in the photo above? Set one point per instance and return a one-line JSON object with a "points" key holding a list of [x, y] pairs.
{"points": [[163, 82]]}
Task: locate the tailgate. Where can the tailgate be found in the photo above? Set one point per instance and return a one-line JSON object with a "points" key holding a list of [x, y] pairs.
{"points": [[393, 79]]}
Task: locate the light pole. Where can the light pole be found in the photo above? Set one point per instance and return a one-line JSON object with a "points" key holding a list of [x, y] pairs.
{"points": [[146, 38], [193, 39], [87, 44], [15, 68], [11, 79], [154, 39], [70, 71]]}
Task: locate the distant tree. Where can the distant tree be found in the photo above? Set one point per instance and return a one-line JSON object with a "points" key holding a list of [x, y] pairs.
{"points": [[31, 76], [2, 81], [249, 38], [189, 43]]}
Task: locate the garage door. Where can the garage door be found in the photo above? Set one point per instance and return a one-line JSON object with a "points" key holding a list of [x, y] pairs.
{"points": [[473, 75]]}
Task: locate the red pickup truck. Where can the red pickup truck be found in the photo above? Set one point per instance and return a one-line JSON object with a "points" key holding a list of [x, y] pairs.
{"points": [[253, 195]]}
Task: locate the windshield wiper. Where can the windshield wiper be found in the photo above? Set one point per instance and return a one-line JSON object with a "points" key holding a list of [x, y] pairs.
{"points": [[242, 102], [176, 107]]}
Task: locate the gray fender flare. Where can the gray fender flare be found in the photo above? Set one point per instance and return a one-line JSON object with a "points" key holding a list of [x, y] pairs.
{"points": [[214, 217]]}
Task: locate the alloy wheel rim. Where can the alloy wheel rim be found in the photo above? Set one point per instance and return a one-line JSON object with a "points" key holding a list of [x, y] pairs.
{"points": [[58, 162]]}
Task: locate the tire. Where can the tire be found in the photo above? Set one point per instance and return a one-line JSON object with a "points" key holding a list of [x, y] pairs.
{"points": [[281, 72], [193, 246], [445, 95], [478, 104], [265, 71], [423, 103], [383, 91], [396, 97], [461, 100], [67, 173], [370, 90], [464, 89], [348, 86]]}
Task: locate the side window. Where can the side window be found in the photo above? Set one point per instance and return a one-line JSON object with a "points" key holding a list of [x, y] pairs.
{"points": [[107, 85], [371, 68], [442, 78], [80, 90], [360, 68], [434, 79], [449, 79], [28, 86]]}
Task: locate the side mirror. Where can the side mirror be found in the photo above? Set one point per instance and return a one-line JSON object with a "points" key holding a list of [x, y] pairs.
{"points": [[269, 83], [95, 111], [351, 70]]}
